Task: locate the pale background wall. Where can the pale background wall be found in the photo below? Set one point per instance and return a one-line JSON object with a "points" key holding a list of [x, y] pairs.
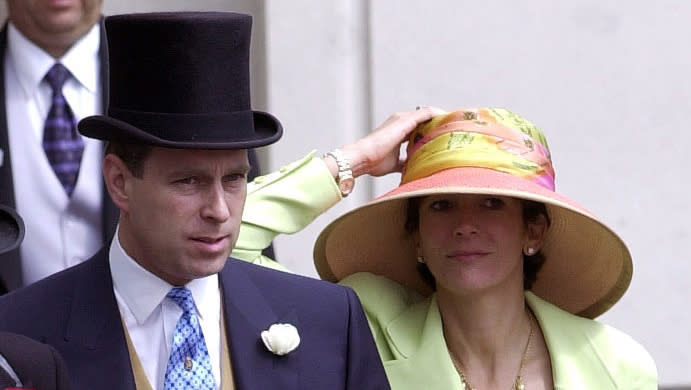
{"points": [[608, 81]]}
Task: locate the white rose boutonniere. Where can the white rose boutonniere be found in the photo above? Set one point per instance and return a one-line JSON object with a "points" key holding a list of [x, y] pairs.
{"points": [[281, 339]]}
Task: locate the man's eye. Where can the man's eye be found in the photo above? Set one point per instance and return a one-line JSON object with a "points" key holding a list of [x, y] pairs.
{"points": [[187, 180], [234, 177]]}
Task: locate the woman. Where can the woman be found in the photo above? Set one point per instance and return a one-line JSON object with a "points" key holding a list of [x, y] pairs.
{"points": [[474, 273]]}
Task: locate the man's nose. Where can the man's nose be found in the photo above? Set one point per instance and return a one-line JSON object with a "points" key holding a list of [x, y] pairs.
{"points": [[215, 205]]}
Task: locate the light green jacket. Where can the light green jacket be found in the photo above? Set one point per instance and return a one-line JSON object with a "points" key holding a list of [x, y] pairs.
{"points": [[284, 202], [585, 354], [407, 328]]}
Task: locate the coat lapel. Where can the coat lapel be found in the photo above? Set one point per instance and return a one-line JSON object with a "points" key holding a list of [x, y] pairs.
{"points": [[94, 344], [422, 358], [576, 364], [247, 314]]}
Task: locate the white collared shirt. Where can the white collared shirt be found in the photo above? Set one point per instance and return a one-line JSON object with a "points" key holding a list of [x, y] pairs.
{"points": [[150, 317], [5, 365], [61, 231]]}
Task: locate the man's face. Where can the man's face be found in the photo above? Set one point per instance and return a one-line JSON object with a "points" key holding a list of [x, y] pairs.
{"points": [[54, 25], [181, 219]]}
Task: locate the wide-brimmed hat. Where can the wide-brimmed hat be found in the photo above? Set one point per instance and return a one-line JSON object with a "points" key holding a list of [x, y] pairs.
{"points": [[11, 229], [181, 80], [482, 151]]}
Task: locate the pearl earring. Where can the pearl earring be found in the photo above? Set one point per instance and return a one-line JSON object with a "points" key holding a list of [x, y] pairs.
{"points": [[529, 251]]}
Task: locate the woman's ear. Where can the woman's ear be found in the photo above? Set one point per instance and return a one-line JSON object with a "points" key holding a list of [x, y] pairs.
{"points": [[117, 176], [536, 231]]}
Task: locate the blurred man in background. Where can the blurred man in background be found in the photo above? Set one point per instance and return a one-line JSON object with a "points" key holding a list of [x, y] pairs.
{"points": [[53, 62]]}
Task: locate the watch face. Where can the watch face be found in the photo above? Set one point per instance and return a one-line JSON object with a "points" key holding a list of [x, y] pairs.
{"points": [[346, 185]]}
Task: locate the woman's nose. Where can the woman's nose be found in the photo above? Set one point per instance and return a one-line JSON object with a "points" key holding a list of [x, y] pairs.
{"points": [[466, 225]]}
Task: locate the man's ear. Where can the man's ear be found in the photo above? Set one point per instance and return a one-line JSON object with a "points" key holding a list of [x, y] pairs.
{"points": [[117, 177]]}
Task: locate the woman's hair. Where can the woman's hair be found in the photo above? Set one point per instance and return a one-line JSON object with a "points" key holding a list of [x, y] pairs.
{"points": [[531, 264]]}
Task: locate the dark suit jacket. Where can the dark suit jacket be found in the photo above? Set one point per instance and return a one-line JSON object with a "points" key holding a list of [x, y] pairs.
{"points": [[10, 263], [37, 365], [76, 312]]}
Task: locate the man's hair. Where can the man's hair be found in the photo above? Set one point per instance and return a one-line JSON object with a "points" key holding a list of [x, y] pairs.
{"points": [[531, 264], [133, 155]]}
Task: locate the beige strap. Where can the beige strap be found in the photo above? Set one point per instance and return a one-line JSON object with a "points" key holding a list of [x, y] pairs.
{"points": [[227, 380], [141, 382]]}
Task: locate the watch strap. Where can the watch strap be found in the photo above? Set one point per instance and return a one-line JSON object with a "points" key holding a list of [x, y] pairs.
{"points": [[345, 173]]}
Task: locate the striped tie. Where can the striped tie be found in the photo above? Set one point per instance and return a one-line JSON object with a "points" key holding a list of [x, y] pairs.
{"points": [[61, 142]]}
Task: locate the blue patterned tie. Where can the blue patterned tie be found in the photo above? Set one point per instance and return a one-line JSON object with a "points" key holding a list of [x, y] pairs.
{"points": [[189, 366], [61, 142]]}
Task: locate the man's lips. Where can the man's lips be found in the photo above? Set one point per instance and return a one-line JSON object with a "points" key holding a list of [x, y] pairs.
{"points": [[211, 243], [209, 239]]}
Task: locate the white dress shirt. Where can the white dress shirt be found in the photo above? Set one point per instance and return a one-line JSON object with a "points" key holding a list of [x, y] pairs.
{"points": [[5, 365], [150, 317], [60, 231]]}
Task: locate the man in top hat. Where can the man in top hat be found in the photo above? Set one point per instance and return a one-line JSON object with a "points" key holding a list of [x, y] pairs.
{"points": [[67, 211], [25, 363], [162, 306]]}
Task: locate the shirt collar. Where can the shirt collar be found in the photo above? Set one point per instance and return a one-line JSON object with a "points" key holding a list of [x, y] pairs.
{"points": [[32, 63], [82, 59], [143, 291]]}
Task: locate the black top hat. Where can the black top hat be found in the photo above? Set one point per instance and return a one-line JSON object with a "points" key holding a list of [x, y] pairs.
{"points": [[181, 80], [11, 229]]}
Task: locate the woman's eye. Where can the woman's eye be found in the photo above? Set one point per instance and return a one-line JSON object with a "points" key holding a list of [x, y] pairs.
{"points": [[441, 204], [493, 203]]}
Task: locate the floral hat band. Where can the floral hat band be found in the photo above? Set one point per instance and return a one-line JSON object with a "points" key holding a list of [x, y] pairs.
{"points": [[490, 138]]}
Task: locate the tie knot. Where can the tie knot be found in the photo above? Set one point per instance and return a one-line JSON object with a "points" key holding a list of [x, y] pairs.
{"points": [[183, 297], [56, 77]]}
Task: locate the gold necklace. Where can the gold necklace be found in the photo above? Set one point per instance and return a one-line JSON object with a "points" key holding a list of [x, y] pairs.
{"points": [[517, 383]]}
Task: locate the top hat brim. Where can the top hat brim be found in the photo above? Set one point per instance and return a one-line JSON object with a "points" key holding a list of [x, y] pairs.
{"points": [[190, 131], [11, 229]]}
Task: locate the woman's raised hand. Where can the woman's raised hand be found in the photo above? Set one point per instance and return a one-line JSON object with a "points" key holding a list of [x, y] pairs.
{"points": [[378, 153]]}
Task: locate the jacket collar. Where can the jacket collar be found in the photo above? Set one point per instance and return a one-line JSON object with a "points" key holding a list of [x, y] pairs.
{"points": [[247, 314], [94, 337], [577, 361], [422, 359]]}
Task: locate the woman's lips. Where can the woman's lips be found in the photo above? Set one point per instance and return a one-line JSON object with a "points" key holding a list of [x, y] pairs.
{"points": [[467, 255], [61, 3]]}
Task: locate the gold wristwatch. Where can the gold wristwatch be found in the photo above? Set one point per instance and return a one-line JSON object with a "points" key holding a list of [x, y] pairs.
{"points": [[345, 179]]}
